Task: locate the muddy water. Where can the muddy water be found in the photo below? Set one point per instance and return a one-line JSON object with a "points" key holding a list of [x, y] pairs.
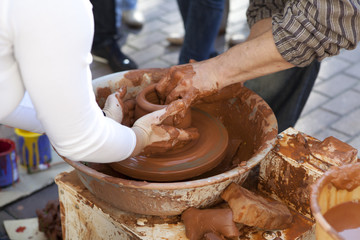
{"points": [[345, 219]]}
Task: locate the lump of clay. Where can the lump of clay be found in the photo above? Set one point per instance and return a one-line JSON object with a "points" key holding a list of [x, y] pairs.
{"points": [[50, 221], [200, 222], [254, 210], [212, 236], [334, 151]]}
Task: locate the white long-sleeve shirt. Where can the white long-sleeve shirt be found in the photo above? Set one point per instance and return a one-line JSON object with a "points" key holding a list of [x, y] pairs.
{"points": [[45, 51]]}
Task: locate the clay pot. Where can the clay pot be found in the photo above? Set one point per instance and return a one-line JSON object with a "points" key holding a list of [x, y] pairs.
{"points": [[181, 162], [326, 195], [184, 162], [252, 129], [148, 101]]}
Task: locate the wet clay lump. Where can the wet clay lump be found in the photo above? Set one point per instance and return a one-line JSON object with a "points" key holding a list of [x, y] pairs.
{"points": [[253, 210], [216, 221]]}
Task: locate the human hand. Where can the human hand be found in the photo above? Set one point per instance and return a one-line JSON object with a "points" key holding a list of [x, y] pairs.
{"points": [[152, 137], [134, 80], [188, 82], [119, 110]]}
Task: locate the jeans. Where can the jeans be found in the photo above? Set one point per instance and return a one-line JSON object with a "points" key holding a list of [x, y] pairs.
{"points": [[286, 92], [107, 17], [127, 4], [105, 20], [201, 20], [123, 5]]}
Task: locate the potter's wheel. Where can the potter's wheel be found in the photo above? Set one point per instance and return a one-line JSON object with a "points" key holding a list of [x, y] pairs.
{"points": [[193, 159]]}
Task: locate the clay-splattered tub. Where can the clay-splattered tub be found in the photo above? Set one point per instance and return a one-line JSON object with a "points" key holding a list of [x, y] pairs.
{"points": [[252, 129]]}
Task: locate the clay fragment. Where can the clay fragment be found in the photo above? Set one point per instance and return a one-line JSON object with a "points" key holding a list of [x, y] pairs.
{"points": [[50, 221], [212, 236], [333, 151], [254, 210], [200, 222]]}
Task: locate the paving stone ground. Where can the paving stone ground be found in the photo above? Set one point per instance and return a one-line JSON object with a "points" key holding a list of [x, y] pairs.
{"points": [[333, 108]]}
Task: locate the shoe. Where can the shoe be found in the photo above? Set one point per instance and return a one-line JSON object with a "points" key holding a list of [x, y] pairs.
{"points": [[176, 39], [109, 52], [236, 39], [133, 18]]}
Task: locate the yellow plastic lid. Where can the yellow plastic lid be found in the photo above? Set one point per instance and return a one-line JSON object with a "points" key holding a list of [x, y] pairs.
{"points": [[24, 133]]}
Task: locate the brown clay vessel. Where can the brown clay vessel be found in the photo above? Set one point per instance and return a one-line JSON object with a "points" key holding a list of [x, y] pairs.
{"points": [[190, 160], [147, 101], [193, 159], [252, 130]]}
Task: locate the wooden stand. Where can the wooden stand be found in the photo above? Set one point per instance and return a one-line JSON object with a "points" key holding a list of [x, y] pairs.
{"points": [[83, 216], [284, 176]]}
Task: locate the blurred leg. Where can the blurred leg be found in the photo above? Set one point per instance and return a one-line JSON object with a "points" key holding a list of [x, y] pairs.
{"points": [[202, 20], [130, 15], [104, 18], [128, 4], [105, 47], [184, 6]]}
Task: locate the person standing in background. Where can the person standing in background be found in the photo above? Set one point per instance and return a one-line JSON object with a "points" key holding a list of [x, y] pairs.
{"points": [[202, 19], [279, 60], [105, 46]]}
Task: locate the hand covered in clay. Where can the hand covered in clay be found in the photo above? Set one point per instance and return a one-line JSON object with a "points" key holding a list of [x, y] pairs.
{"points": [[188, 82], [152, 137], [134, 80], [119, 110]]}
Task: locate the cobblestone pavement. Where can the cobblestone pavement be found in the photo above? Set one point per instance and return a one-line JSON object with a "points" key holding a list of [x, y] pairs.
{"points": [[333, 108]]}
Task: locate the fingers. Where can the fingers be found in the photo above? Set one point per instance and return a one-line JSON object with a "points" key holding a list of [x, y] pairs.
{"points": [[129, 112], [130, 104], [166, 84], [122, 92], [177, 110], [175, 135], [174, 108], [157, 117], [188, 134], [119, 95], [169, 138]]}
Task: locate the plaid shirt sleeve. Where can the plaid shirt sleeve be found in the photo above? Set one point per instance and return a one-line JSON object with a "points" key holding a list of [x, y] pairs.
{"points": [[305, 30]]}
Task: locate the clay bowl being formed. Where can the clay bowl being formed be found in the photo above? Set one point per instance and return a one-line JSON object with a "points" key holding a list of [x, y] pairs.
{"points": [[252, 130], [147, 101], [185, 161]]}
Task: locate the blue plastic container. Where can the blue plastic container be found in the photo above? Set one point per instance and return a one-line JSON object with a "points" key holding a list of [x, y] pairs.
{"points": [[8, 168], [34, 150]]}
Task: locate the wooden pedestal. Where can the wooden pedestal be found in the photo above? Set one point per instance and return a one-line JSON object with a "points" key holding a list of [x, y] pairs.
{"points": [[83, 216]]}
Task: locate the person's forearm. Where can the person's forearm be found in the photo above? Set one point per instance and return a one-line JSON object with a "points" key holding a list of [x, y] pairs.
{"points": [[257, 56], [253, 58]]}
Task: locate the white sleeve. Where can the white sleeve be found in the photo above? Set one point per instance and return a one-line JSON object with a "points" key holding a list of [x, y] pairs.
{"points": [[52, 41], [25, 110]]}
